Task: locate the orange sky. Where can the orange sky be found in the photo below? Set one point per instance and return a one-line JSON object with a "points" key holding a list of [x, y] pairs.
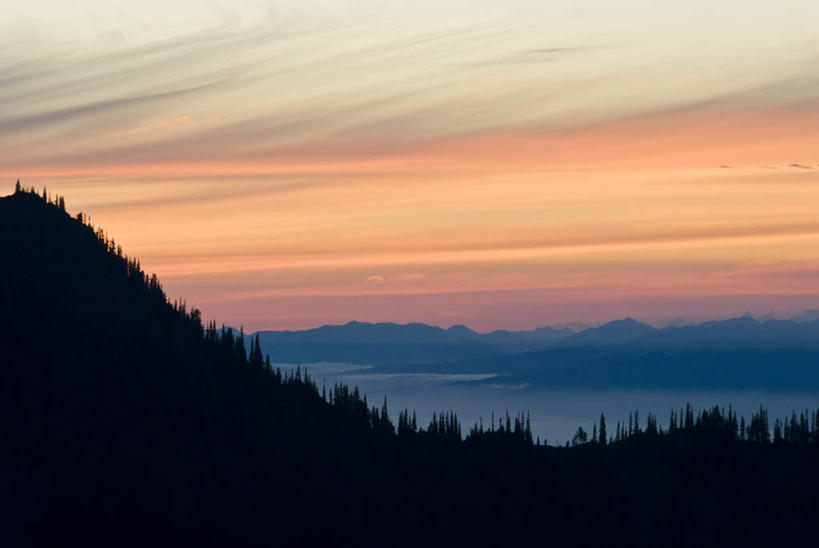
{"points": [[466, 169]]}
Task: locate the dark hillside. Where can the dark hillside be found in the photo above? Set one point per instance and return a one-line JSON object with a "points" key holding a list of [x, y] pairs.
{"points": [[125, 409], [125, 421]]}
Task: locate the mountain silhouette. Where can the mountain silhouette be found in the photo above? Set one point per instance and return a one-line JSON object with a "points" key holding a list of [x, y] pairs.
{"points": [[420, 347], [124, 421], [737, 354], [390, 343], [617, 332], [808, 315]]}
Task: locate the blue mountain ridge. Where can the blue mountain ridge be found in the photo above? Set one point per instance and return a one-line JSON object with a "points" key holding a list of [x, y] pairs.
{"points": [[738, 353]]}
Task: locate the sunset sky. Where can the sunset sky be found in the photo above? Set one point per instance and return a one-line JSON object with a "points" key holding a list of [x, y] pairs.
{"points": [[497, 164]]}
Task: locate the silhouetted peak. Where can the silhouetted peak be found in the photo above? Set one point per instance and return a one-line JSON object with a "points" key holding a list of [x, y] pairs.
{"points": [[460, 330], [78, 269], [809, 315], [355, 323], [24, 197], [628, 321], [625, 325], [740, 322], [615, 332]]}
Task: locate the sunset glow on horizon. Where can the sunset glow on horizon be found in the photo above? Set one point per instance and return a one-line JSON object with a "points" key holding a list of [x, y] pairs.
{"points": [[291, 164]]}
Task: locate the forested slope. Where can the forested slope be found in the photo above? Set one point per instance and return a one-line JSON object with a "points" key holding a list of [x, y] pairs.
{"points": [[126, 421]]}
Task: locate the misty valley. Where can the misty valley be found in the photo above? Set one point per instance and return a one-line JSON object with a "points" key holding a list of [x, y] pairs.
{"points": [[564, 378], [555, 414]]}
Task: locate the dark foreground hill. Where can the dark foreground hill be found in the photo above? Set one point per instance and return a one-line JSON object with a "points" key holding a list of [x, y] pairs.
{"points": [[125, 421]]}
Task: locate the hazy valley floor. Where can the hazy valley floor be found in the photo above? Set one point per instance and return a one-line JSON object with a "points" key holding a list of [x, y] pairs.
{"points": [[555, 414]]}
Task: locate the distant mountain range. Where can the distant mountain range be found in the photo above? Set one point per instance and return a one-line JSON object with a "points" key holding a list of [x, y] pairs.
{"points": [[390, 343], [741, 353], [738, 353]]}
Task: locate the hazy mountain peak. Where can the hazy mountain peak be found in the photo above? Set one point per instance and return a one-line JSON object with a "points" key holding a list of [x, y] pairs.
{"points": [[627, 323], [614, 332], [809, 315]]}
